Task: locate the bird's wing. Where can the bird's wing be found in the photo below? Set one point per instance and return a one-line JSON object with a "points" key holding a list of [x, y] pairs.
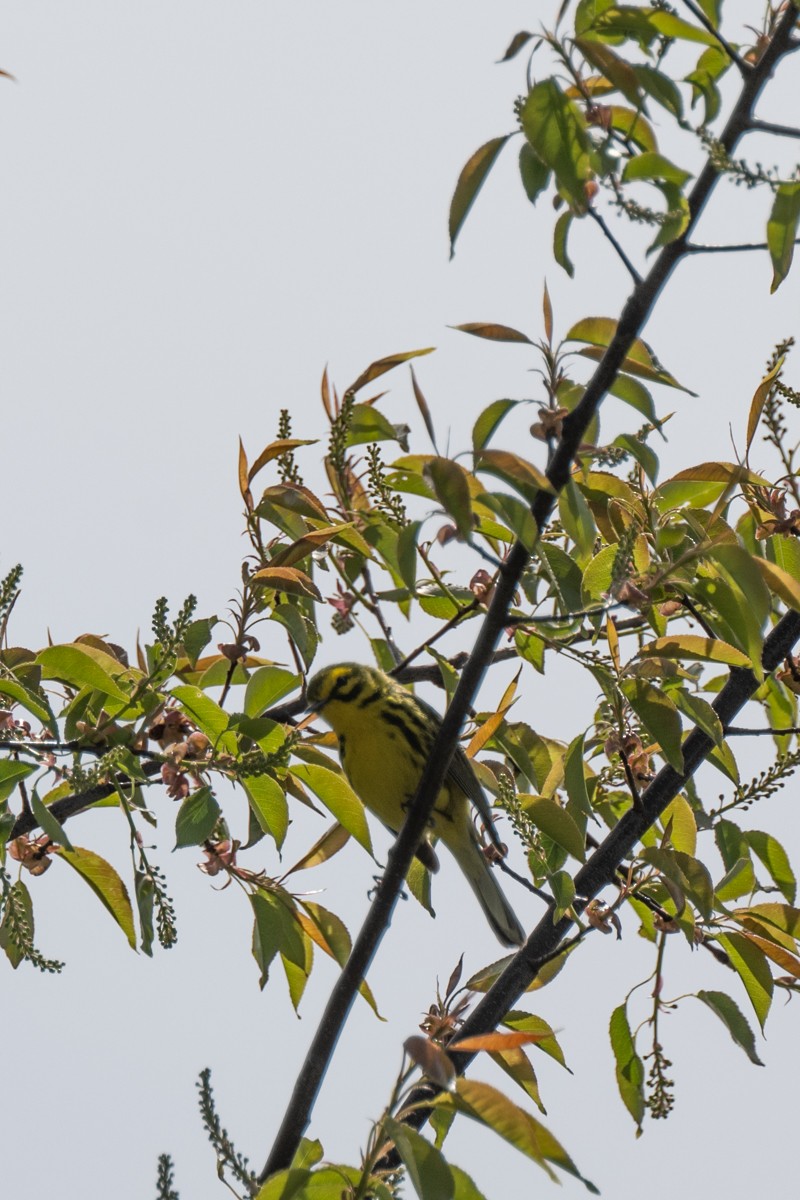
{"points": [[461, 773]]}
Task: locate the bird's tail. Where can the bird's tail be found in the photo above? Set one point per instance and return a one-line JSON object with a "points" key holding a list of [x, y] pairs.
{"points": [[462, 843]]}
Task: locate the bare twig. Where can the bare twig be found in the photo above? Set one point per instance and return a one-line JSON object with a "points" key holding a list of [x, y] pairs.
{"points": [[758, 126], [629, 267], [700, 16], [737, 248]]}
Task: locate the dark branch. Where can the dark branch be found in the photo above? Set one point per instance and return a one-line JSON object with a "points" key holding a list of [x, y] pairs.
{"points": [[757, 126], [738, 731], [694, 248], [68, 806], [629, 267], [700, 16]]}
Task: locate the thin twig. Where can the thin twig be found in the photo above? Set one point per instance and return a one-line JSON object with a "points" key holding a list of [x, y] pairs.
{"points": [[758, 126], [771, 731], [695, 248], [375, 608], [526, 883], [700, 16], [451, 624], [630, 268]]}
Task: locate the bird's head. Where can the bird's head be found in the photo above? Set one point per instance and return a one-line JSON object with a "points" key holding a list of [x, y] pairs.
{"points": [[340, 682]]}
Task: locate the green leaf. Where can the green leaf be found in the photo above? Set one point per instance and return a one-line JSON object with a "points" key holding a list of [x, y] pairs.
{"points": [[268, 805], [563, 889], [465, 1188], [695, 648], [555, 128], [651, 165], [491, 1108], [369, 424], [197, 637], [564, 575], [659, 716], [699, 712], [197, 816], [782, 231], [12, 773], [738, 880], [556, 822], [560, 235], [451, 488], [38, 706], [207, 715], [751, 965], [488, 421], [641, 452], [671, 26], [266, 686], [615, 69], [83, 666], [338, 797], [525, 1022], [48, 823], [679, 817], [577, 520], [629, 1066], [734, 1021], [271, 925], [660, 87], [301, 630], [780, 582], [598, 333], [775, 859], [534, 173], [106, 885], [470, 181], [686, 872], [783, 916], [517, 472], [575, 777], [633, 127], [427, 1169]]}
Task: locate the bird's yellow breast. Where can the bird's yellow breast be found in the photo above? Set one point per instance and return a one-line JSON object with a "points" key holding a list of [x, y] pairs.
{"points": [[385, 770]]}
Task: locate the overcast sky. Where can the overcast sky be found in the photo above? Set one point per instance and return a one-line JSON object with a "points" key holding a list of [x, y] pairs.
{"points": [[203, 204]]}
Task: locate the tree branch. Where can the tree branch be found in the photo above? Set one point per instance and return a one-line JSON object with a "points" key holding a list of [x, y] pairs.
{"points": [[758, 126], [700, 16], [600, 868], [694, 248], [629, 267], [68, 806]]}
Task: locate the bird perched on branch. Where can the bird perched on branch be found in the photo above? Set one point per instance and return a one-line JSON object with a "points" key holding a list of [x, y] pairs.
{"points": [[385, 738]]}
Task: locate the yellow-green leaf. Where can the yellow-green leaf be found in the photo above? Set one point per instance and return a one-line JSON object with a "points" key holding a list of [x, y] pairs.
{"points": [[338, 797], [698, 649], [470, 181], [782, 230], [556, 822], [106, 885]]}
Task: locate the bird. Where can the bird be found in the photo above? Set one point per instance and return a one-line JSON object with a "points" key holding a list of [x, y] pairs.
{"points": [[385, 736]]}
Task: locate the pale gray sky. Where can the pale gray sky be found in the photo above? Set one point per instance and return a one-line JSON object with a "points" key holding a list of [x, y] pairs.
{"points": [[202, 205]]}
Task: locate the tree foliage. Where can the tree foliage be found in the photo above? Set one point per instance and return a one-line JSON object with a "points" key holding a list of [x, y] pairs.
{"points": [[677, 598]]}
